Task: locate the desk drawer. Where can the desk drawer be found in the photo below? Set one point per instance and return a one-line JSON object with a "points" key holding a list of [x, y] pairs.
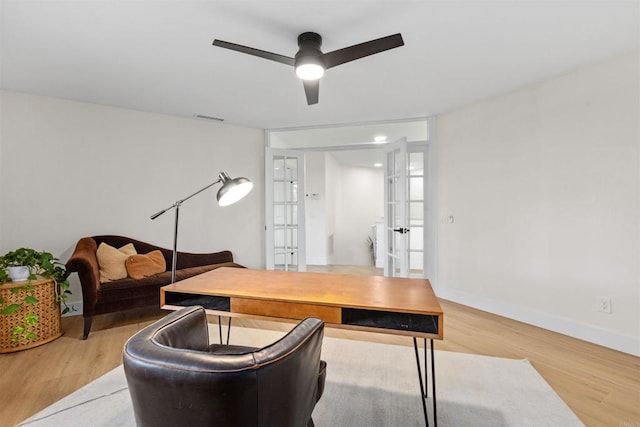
{"points": [[287, 310]]}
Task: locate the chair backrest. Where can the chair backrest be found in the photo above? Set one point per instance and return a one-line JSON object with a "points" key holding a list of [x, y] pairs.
{"points": [[174, 379]]}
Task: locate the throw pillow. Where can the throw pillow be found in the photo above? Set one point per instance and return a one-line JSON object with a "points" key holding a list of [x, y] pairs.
{"points": [[139, 266], [111, 261]]}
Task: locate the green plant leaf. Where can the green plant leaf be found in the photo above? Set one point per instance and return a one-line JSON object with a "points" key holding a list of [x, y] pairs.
{"points": [[18, 330], [31, 319], [30, 299], [31, 336], [10, 309]]}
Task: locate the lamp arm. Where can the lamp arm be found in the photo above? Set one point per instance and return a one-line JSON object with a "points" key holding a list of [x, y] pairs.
{"points": [[179, 202]]}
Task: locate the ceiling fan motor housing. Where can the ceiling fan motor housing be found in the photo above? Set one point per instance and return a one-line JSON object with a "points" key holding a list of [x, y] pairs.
{"points": [[309, 52]]}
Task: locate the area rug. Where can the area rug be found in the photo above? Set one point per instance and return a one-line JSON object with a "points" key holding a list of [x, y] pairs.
{"points": [[368, 384]]}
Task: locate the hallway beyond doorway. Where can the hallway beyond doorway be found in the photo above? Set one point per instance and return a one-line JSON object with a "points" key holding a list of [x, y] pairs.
{"points": [[346, 269]]}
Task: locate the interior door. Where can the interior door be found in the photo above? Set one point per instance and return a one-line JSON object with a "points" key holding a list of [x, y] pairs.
{"points": [[405, 207], [284, 210], [395, 216], [418, 209]]}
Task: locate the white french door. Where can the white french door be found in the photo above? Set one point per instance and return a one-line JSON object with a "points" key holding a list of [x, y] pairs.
{"points": [[284, 210], [396, 261], [405, 202]]}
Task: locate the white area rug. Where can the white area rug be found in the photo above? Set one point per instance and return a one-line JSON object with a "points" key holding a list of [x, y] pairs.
{"points": [[368, 385]]}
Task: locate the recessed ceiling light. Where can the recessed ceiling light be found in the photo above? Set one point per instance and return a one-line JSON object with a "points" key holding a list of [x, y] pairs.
{"points": [[380, 138], [377, 165]]}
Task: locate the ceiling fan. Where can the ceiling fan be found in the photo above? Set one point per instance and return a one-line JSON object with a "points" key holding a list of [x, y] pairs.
{"points": [[310, 63]]}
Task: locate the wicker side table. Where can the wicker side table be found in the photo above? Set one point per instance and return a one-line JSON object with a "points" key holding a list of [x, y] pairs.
{"points": [[47, 310]]}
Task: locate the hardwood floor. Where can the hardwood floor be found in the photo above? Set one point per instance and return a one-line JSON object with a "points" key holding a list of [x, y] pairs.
{"points": [[600, 385]]}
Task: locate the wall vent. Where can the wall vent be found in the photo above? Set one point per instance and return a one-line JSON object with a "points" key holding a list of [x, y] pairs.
{"points": [[203, 117]]}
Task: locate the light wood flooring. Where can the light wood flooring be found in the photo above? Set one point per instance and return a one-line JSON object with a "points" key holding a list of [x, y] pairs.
{"points": [[600, 385]]}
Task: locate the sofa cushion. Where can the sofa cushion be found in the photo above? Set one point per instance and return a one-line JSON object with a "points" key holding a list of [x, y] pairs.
{"points": [[111, 261], [129, 288], [143, 265]]}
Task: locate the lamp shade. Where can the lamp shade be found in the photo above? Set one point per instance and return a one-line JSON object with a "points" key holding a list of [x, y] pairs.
{"points": [[232, 190]]}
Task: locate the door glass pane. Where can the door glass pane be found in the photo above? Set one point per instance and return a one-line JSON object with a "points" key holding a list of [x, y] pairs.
{"points": [[416, 265], [416, 191], [292, 215], [278, 168], [292, 238], [279, 193], [279, 238], [416, 163], [291, 191], [291, 169], [416, 241], [279, 261], [292, 261], [278, 215], [416, 213]]}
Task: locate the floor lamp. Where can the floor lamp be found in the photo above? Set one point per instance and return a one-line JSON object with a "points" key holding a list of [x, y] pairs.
{"points": [[231, 191]]}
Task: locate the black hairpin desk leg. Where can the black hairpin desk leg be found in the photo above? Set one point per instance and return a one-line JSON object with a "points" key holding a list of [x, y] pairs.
{"points": [[424, 384], [220, 328]]}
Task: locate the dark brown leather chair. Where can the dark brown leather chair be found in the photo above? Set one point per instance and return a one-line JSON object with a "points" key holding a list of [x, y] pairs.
{"points": [[176, 377]]}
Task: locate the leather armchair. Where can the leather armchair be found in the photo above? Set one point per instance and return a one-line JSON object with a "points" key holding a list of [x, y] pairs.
{"points": [[176, 377]]}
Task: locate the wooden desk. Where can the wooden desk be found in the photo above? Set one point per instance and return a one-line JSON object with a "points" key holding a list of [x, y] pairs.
{"points": [[379, 304]]}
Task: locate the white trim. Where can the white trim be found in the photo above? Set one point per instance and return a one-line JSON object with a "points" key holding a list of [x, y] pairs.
{"points": [[621, 342], [78, 308], [317, 260]]}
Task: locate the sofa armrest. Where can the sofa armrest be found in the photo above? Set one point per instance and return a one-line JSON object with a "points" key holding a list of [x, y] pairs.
{"points": [[84, 262]]}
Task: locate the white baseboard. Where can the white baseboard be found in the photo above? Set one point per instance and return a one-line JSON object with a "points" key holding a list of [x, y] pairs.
{"points": [[606, 338], [77, 305], [621, 342]]}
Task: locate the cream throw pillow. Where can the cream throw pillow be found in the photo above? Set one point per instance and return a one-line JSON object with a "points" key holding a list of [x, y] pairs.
{"points": [[111, 261]]}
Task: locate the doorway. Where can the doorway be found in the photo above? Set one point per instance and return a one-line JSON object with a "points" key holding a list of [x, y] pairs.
{"points": [[344, 192], [340, 196]]}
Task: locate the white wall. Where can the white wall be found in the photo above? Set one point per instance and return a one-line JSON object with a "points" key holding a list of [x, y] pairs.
{"points": [[544, 186], [71, 169], [315, 208], [332, 181], [361, 204], [350, 200]]}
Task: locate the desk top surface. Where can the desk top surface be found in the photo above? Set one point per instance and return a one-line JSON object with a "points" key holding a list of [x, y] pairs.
{"points": [[366, 292]]}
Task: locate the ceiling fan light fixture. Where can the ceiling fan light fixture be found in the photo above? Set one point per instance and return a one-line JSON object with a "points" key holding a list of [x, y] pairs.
{"points": [[310, 62], [309, 71]]}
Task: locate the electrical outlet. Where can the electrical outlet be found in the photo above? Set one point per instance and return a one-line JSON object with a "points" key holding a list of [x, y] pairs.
{"points": [[604, 305]]}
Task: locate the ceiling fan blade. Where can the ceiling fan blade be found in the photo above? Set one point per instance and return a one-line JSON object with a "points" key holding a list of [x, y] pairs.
{"points": [[311, 89], [255, 52], [351, 53]]}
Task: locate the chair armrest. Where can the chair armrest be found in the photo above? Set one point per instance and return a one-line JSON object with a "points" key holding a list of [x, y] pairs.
{"points": [[84, 262], [322, 376]]}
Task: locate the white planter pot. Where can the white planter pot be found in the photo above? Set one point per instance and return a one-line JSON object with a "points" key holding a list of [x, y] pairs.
{"points": [[18, 274]]}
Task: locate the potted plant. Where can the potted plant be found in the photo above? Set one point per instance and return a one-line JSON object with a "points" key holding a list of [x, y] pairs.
{"points": [[38, 264]]}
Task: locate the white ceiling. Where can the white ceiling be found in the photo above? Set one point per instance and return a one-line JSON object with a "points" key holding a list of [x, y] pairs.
{"points": [[157, 56]]}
